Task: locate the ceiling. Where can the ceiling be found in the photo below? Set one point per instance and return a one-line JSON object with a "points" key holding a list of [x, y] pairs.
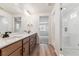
{"points": [[11, 8], [33, 8], [36, 8]]}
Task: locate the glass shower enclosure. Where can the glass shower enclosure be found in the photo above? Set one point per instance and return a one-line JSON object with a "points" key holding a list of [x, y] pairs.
{"points": [[70, 29]]}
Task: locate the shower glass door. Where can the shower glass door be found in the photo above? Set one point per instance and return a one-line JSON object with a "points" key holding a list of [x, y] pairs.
{"points": [[70, 29]]}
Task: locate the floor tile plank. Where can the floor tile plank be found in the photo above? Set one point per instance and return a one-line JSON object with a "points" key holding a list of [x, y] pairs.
{"points": [[44, 50]]}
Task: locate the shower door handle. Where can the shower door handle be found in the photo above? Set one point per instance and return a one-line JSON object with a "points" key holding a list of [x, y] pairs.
{"points": [[65, 29]]}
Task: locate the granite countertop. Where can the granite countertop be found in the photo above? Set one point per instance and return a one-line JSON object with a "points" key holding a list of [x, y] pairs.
{"points": [[12, 39]]}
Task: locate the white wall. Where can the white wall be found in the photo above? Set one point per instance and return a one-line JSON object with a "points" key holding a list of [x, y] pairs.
{"points": [[32, 19], [54, 25]]}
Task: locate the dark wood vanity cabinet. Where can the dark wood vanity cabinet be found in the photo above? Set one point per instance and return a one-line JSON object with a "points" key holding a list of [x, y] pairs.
{"points": [[26, 47], [33, 41], [13, 49], [23, 47]]}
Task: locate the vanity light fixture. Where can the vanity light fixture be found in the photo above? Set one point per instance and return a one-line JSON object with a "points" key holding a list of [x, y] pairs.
{"points": [[27, 12]]}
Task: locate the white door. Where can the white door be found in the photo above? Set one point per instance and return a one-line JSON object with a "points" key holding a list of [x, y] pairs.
{"points": [[43, 29]]}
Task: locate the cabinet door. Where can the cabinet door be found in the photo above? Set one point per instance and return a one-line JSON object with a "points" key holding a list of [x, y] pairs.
{"points": [[36, 36], [11, 48], [31, 41], [18, 52], [26, 40], [26, 49]]}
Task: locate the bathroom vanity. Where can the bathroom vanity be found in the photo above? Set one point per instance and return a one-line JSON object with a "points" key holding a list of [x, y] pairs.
{"points": [[18, 45]]}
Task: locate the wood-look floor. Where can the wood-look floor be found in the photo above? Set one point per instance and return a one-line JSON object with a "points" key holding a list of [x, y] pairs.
{"points": [[44, 50]]}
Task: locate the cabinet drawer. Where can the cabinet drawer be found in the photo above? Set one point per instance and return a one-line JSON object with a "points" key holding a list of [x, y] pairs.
{"points": [[11, 48], [18, 52], [25, 40]]}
